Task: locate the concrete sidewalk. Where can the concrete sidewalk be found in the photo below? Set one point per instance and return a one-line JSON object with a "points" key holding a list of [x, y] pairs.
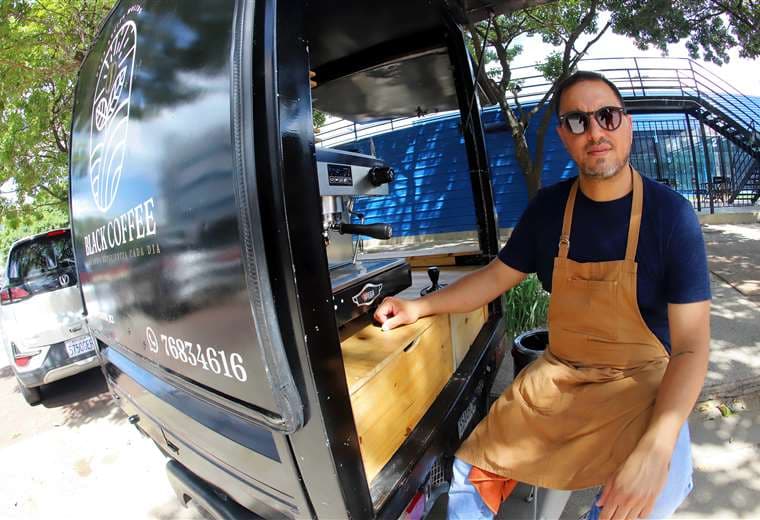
{"points": [[725, 426]]}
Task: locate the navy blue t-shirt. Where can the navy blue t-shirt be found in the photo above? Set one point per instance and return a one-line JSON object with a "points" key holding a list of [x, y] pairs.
{"points": [[672, 263]]}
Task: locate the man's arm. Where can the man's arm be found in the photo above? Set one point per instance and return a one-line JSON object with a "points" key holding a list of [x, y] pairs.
{"points": [[631, 493], [466, 294]]}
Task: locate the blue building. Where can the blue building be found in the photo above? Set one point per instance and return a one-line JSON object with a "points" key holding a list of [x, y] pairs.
{"points": [[704, 143]]}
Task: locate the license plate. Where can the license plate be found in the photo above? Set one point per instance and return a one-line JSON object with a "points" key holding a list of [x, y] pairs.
{"points": [[75, 347]]}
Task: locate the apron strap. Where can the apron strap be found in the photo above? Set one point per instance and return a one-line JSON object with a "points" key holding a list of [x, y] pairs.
{"points": [[567, 221], [633, 226], [635, 223]]}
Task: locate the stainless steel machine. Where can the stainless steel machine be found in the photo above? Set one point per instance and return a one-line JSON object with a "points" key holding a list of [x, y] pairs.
{"points": [[357, 285]]}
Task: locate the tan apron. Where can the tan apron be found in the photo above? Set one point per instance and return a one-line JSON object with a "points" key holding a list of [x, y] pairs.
{"points": [[572, 417]]}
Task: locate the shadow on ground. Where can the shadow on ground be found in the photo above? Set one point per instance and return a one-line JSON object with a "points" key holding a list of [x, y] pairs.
{"points": [[6, 372], [727, 464], [734, 256], [83, 398]]}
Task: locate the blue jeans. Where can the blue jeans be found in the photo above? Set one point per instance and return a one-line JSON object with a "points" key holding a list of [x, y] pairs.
{"points": [[465, 502]]}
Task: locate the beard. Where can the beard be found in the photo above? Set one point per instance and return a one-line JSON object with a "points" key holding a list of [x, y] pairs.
{"points": [[604, 168]]}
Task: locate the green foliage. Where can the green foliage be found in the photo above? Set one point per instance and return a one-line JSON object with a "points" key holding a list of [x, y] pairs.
{"points": [[709, 27], [318, 118], [526, 306], [572, 27], [42, 43]]}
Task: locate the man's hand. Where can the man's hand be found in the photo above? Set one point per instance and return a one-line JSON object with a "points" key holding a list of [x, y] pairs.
{"points": [[394, 312], [632, 491], [464, 295]]}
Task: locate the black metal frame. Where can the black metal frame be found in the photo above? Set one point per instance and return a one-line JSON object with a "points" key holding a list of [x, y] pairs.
{"points": [[275, 178], [306, 288], [475, 143], [250, 183]]}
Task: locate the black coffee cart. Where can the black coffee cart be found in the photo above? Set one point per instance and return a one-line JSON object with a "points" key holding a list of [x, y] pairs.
{"points": [[201, 243]]}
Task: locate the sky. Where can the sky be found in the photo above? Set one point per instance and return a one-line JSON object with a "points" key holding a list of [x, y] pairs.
{"points": [[742, 73]]}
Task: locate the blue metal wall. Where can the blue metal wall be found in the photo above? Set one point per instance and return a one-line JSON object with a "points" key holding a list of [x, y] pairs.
{"points": [[431, 192]]}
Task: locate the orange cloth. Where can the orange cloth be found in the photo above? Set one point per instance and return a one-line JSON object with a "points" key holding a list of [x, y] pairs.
{"points": [[492, 488]]}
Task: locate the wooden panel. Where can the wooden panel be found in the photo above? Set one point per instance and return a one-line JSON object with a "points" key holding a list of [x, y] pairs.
{"points": [[367, 350], [464, 330], [426, 261], [389, 396]]}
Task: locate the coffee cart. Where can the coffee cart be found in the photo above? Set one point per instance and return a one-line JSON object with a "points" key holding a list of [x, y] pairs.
{"points": [[216, 250]]}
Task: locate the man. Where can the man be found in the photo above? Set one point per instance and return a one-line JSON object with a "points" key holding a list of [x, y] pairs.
{"points": [[629, 332]]}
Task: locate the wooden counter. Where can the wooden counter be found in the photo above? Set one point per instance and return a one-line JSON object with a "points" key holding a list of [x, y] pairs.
{"points": [[394, 376]]}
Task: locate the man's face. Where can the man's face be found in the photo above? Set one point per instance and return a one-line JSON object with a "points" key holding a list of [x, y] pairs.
{"points": [[599, 153]]}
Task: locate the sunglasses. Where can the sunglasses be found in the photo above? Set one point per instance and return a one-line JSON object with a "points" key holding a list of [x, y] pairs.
{"points": [[609, 118]]}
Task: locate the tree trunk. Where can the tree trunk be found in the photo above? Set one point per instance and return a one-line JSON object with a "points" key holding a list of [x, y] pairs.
{"points": [[522, 152], [533, 180]]}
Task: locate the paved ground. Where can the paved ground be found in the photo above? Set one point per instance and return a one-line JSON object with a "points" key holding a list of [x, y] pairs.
{"points": [[734, 256], [75, 456]]}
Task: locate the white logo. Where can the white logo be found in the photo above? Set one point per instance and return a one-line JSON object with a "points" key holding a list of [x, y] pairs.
{"points": [[110, 115], [368, 294], [150, 336], [64, 280]]}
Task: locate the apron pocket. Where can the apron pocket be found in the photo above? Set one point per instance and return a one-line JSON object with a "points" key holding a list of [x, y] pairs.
{"points": [[591, 307]]}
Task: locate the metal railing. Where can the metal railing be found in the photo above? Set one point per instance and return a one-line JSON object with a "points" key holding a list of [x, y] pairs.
{"points": [[708, 169], [644, 77], [339, 131], [650, 84]]}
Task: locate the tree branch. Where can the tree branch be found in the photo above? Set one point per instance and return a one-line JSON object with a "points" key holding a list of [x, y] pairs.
{"points": [[596, 39], [545, 98], [51, 193], [585, 23], [735, 12]]}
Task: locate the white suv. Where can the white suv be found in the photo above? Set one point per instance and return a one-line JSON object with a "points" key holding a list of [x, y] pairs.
{"points": [[43, 326]]}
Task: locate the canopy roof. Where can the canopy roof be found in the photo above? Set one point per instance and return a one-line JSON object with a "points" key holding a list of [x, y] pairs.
{"points": [[384, 60]]}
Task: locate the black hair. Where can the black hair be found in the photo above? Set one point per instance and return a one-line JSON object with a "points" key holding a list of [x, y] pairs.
{"points": [[577, 77]]}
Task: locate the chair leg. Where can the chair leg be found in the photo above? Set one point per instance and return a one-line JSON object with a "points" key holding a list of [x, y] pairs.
{"points": [[552, 503]]}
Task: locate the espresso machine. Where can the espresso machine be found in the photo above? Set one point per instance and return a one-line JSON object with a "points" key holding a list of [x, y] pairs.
{"points": [[358, 285]]}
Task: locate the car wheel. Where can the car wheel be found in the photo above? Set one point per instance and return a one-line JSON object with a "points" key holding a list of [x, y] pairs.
{"points": [[31, 395]]}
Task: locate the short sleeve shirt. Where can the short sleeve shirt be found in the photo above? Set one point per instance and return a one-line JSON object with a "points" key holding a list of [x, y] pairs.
{"points": [[672, 263]]}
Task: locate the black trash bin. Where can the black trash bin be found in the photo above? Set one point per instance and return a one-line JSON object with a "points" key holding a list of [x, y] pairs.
{"points": [[528, 346]]}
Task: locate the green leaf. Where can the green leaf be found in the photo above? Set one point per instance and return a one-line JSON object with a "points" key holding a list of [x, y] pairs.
{"points": [[41, 44], [725, 411]]}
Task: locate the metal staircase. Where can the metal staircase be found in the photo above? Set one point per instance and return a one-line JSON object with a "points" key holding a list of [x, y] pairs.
{"points": [[680, 85]]}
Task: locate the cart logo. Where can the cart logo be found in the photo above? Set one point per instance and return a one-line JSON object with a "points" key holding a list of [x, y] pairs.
{"points": [[152, 340], [109, 120], [368, 294], [64, 280]]}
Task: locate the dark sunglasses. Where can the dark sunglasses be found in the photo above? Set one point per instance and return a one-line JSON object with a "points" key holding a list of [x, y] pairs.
{"points": [[609, 118]]}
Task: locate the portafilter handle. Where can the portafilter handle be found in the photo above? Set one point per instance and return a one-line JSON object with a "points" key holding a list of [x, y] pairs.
{"points": [[379, 231], [434, 274], [380, 175]]}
